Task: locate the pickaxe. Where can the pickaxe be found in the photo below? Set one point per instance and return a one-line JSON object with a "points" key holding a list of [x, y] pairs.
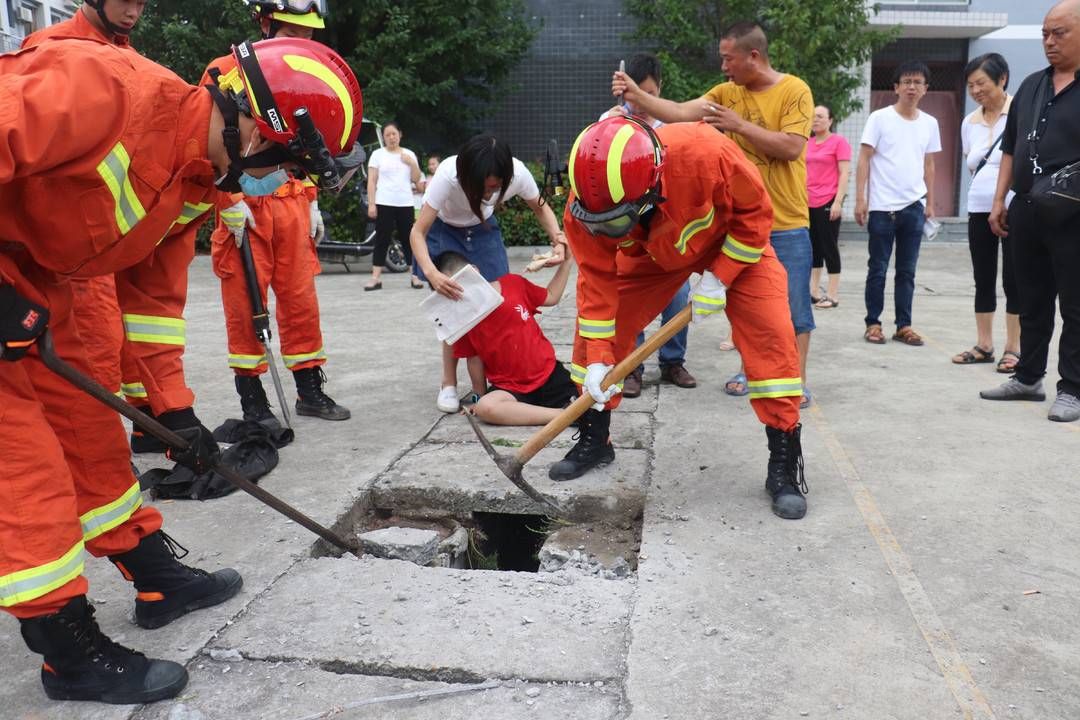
{"points": [[153, 427], [511, 465]]}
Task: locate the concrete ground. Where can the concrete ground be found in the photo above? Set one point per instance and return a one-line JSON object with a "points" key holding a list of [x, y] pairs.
{"points": [[935, 576]]}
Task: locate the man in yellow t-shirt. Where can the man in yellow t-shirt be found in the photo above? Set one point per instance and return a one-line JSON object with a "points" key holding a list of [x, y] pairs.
{"points": [[768, 114]]}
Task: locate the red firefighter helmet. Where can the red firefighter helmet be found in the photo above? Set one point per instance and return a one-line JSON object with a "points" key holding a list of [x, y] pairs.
{"points": [[615, 168], [283, 76]]}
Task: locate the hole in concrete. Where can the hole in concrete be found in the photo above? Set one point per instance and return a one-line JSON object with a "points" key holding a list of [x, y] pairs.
{"points": [[501, 541]]}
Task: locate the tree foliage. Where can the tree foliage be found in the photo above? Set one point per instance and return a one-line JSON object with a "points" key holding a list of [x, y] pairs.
{"points": [[435, 65], [824, 42]]}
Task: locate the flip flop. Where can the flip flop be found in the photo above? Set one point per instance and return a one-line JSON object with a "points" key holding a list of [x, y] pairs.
{"points": [[807, 398], [736, 385], [827, 302]]}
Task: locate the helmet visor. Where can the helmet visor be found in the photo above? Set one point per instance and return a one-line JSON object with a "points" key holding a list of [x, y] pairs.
{"points": [[614, 223], [300, 7]]}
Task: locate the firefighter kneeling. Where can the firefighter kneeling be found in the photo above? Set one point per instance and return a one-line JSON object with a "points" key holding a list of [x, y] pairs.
{"points": [[648, 209]]}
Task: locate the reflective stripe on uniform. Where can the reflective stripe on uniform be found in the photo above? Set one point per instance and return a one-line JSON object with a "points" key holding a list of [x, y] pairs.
{"points": [[778, 387], [596, 328], [705, 305], [741, 251], [154, 329], [191, 211], [25, 585], [294, 360], [133, 390], [103, 519], [246, 362], [114, 171], [625, 243], [693, 228], [577, 374]]}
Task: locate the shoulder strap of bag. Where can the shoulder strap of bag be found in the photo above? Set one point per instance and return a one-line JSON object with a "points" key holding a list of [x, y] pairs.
{"points": [[1038, 123], [988, 153]]}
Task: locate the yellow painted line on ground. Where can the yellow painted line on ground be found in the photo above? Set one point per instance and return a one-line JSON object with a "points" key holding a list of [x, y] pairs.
{"points": [[972, 702]]}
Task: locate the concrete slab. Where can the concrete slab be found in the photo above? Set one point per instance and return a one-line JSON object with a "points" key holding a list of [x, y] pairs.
{"points": [[291, 690], [461, 477], [387, 617], [633, 430]]}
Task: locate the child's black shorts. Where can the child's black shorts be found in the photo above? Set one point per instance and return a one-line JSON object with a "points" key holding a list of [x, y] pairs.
{"points": [[558, 390]]}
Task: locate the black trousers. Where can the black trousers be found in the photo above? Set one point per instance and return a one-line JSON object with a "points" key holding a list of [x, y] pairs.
{"points": [[387, 219], [983, 244], [1047, 263], [824, 237]]}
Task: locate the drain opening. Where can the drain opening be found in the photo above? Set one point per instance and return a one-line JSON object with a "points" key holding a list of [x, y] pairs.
{"points": [[502, 541]]}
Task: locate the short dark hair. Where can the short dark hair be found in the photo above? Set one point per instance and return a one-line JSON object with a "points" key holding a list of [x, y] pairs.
{"points": [[748, 35], [391, 123], [911, 67], [483, 156], [993, 64], [450, 262], [643, 66]]}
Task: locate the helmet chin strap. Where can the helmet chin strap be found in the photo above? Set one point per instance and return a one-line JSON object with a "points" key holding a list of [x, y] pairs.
{"points": [[110, 27], [230, 135]]}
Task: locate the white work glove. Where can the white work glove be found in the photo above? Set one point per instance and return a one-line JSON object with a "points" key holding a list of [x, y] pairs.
{"points": [[594, 375], [318, 227], [236, 218], [708, 297]]}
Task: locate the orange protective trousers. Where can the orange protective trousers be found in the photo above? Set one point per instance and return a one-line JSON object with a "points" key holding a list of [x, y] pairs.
{"points": [[74, 488], [286, 260], [757, 307]]}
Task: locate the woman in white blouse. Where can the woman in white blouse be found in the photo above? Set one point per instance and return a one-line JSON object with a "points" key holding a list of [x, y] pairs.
{"points": [[392, 172], [987, 77]]}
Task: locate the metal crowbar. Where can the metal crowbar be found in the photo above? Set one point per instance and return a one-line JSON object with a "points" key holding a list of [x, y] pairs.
{"points": [[511, 465], [153, 427]]}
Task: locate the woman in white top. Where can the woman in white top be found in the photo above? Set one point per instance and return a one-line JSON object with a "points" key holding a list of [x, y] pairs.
{"points": [[392, 171], [987, 77], [458, 215]]}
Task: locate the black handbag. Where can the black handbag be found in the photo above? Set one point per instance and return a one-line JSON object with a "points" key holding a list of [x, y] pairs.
{"points": [[1056, 197]]}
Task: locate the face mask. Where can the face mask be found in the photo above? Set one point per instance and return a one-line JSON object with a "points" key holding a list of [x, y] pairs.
{"points": [[254, 187]]}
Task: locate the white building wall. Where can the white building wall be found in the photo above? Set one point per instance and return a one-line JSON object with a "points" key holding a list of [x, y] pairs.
{"points": [[19, 18]]}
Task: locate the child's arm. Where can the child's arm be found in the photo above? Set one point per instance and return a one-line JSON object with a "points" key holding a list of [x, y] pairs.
{"points": [[557, 285]]}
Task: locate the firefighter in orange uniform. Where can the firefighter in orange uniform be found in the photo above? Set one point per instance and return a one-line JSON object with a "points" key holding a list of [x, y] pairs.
{"points": [[284, 228], [137, 151], [97, 318], [648, 209]]}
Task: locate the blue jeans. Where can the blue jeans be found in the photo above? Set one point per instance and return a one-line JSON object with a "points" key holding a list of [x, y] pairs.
{"points": [[673, 352], [796, 253], [905, 228]]}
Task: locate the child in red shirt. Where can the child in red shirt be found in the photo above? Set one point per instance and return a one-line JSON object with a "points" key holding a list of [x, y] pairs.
{"points": [[526, 384]]}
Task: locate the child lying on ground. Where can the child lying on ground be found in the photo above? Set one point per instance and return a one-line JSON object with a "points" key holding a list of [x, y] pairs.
{"points": [[526, 384]]}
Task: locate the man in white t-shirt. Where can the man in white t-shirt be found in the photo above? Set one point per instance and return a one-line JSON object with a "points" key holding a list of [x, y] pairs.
{"points": [[896, 162]]}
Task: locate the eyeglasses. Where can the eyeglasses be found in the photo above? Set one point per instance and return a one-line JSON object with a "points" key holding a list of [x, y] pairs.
{"points": [[911, 81]]}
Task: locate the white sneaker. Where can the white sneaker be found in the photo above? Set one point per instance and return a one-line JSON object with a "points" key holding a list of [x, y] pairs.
{"points": [[448, 400]]}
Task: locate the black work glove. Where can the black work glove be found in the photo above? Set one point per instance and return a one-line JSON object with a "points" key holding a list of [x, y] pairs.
{"points": [[21, 323], [202, 450]]}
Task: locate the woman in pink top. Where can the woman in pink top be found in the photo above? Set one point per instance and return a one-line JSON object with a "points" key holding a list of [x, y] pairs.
{"points": [[828, 162]]}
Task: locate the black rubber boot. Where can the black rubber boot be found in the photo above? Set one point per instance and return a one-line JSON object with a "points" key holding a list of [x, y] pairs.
{"points": [[81, 663], [253, 400], [786, 482], [593, 447], [166, 588], [312, 400]]}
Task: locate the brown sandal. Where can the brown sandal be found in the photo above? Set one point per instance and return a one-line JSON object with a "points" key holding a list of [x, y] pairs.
{"points": [[974, 356], [874, 335], [1008, 361], [907, 336]]}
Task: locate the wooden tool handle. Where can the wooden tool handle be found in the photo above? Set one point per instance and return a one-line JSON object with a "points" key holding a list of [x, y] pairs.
{"points": [[546, 434]]}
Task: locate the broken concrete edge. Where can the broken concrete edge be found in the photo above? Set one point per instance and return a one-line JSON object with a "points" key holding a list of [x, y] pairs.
{"points": [[448, 675]]}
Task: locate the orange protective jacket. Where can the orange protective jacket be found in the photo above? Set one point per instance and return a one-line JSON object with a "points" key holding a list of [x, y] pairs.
{"points": [[716, 216], [119, 144], [95, 309], [285, 259]]}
